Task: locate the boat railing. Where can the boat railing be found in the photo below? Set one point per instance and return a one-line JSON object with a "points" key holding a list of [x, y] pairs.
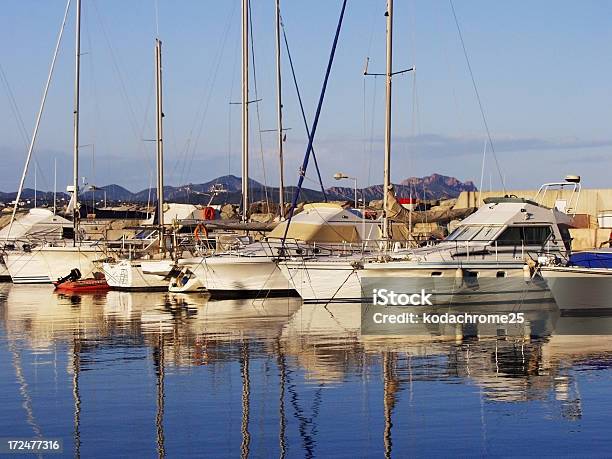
{"points": [[292, 248], [571, 204]]}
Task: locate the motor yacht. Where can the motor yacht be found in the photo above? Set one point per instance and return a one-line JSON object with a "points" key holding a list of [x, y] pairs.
{"points": [[486, 251]]}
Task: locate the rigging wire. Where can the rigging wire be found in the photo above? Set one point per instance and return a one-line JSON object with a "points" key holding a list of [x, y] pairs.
{"points": [[414, 112], [368, 155], [38, 118], [372, 122], [19, 121], [480, 106], [415, 115], [191, 144], [482, 169], [229, 111], [299, 96], [366, 158], [123, 88], [95, 109], [315, 123], [263, 164], [14, 107], [416, 130]]}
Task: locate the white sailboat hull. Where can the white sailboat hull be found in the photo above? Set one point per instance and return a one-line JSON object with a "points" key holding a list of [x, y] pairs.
{"points": [[234, 275], [44, 265], [138, 274]]}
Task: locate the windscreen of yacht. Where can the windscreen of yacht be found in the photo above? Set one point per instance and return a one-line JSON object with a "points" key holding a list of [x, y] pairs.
{"points": [[308, 232], [482, 233]]}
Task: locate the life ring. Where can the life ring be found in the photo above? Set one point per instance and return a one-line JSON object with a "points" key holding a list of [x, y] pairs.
{"points": [[200, 229]]}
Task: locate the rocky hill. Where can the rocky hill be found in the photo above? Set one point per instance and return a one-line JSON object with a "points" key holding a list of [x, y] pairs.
{"points": [[435, 186]]}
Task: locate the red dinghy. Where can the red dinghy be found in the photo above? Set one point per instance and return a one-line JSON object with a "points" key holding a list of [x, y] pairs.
{"points": [[73, 283], [83, 285]]}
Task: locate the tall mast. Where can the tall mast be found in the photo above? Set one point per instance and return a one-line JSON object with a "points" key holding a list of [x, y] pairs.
{"points": [[159, 142], [279, 110], [245, 110], [388, 75], [75, 160]]}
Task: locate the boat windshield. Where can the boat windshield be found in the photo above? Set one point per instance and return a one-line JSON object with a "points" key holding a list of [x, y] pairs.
{"points": [[474, 233]]}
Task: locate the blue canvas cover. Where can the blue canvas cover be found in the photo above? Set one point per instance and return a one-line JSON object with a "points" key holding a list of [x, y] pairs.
{"points": [[592, 259]]}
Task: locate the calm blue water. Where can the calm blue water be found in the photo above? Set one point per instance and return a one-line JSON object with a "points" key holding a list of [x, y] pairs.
{"points": [[138, 374]]}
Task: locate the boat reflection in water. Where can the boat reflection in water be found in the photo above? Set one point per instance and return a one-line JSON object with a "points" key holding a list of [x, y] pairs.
{"points": [[179, 375]]}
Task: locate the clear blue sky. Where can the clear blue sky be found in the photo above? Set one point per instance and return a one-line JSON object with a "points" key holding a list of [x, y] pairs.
{"points": [[543, 70]]}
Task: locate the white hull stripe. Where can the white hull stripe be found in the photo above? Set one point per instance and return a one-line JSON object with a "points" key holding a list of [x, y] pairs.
{"points": [[31, 279]]}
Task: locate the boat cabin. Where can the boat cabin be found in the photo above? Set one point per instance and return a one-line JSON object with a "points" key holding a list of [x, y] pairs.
{"points": [[511, 225]]}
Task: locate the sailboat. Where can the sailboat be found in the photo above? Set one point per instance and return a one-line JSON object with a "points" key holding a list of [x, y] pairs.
{"points": [[252, 270], [37, 225], [324, 278], [44, 260], [48, 261], [146, 272]]}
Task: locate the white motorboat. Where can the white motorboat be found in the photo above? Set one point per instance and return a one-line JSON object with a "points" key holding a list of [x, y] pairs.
{"points": [[471, 263], [253, 269], [138, 274], [578, 289], [186, 282]]}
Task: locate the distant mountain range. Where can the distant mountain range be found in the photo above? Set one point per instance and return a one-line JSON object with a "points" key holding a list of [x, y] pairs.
{"points": [[435, 186]]}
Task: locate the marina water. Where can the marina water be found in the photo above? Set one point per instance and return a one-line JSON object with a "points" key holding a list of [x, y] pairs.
{"points": [[157, 374]]}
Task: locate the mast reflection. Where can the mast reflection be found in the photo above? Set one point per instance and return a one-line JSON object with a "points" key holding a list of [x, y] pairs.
{"points": [[246, 391], [158, 362], [76, 395]]}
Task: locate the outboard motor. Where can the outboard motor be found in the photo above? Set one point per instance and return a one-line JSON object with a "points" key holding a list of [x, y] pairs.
{"points": [[74, 275]]}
